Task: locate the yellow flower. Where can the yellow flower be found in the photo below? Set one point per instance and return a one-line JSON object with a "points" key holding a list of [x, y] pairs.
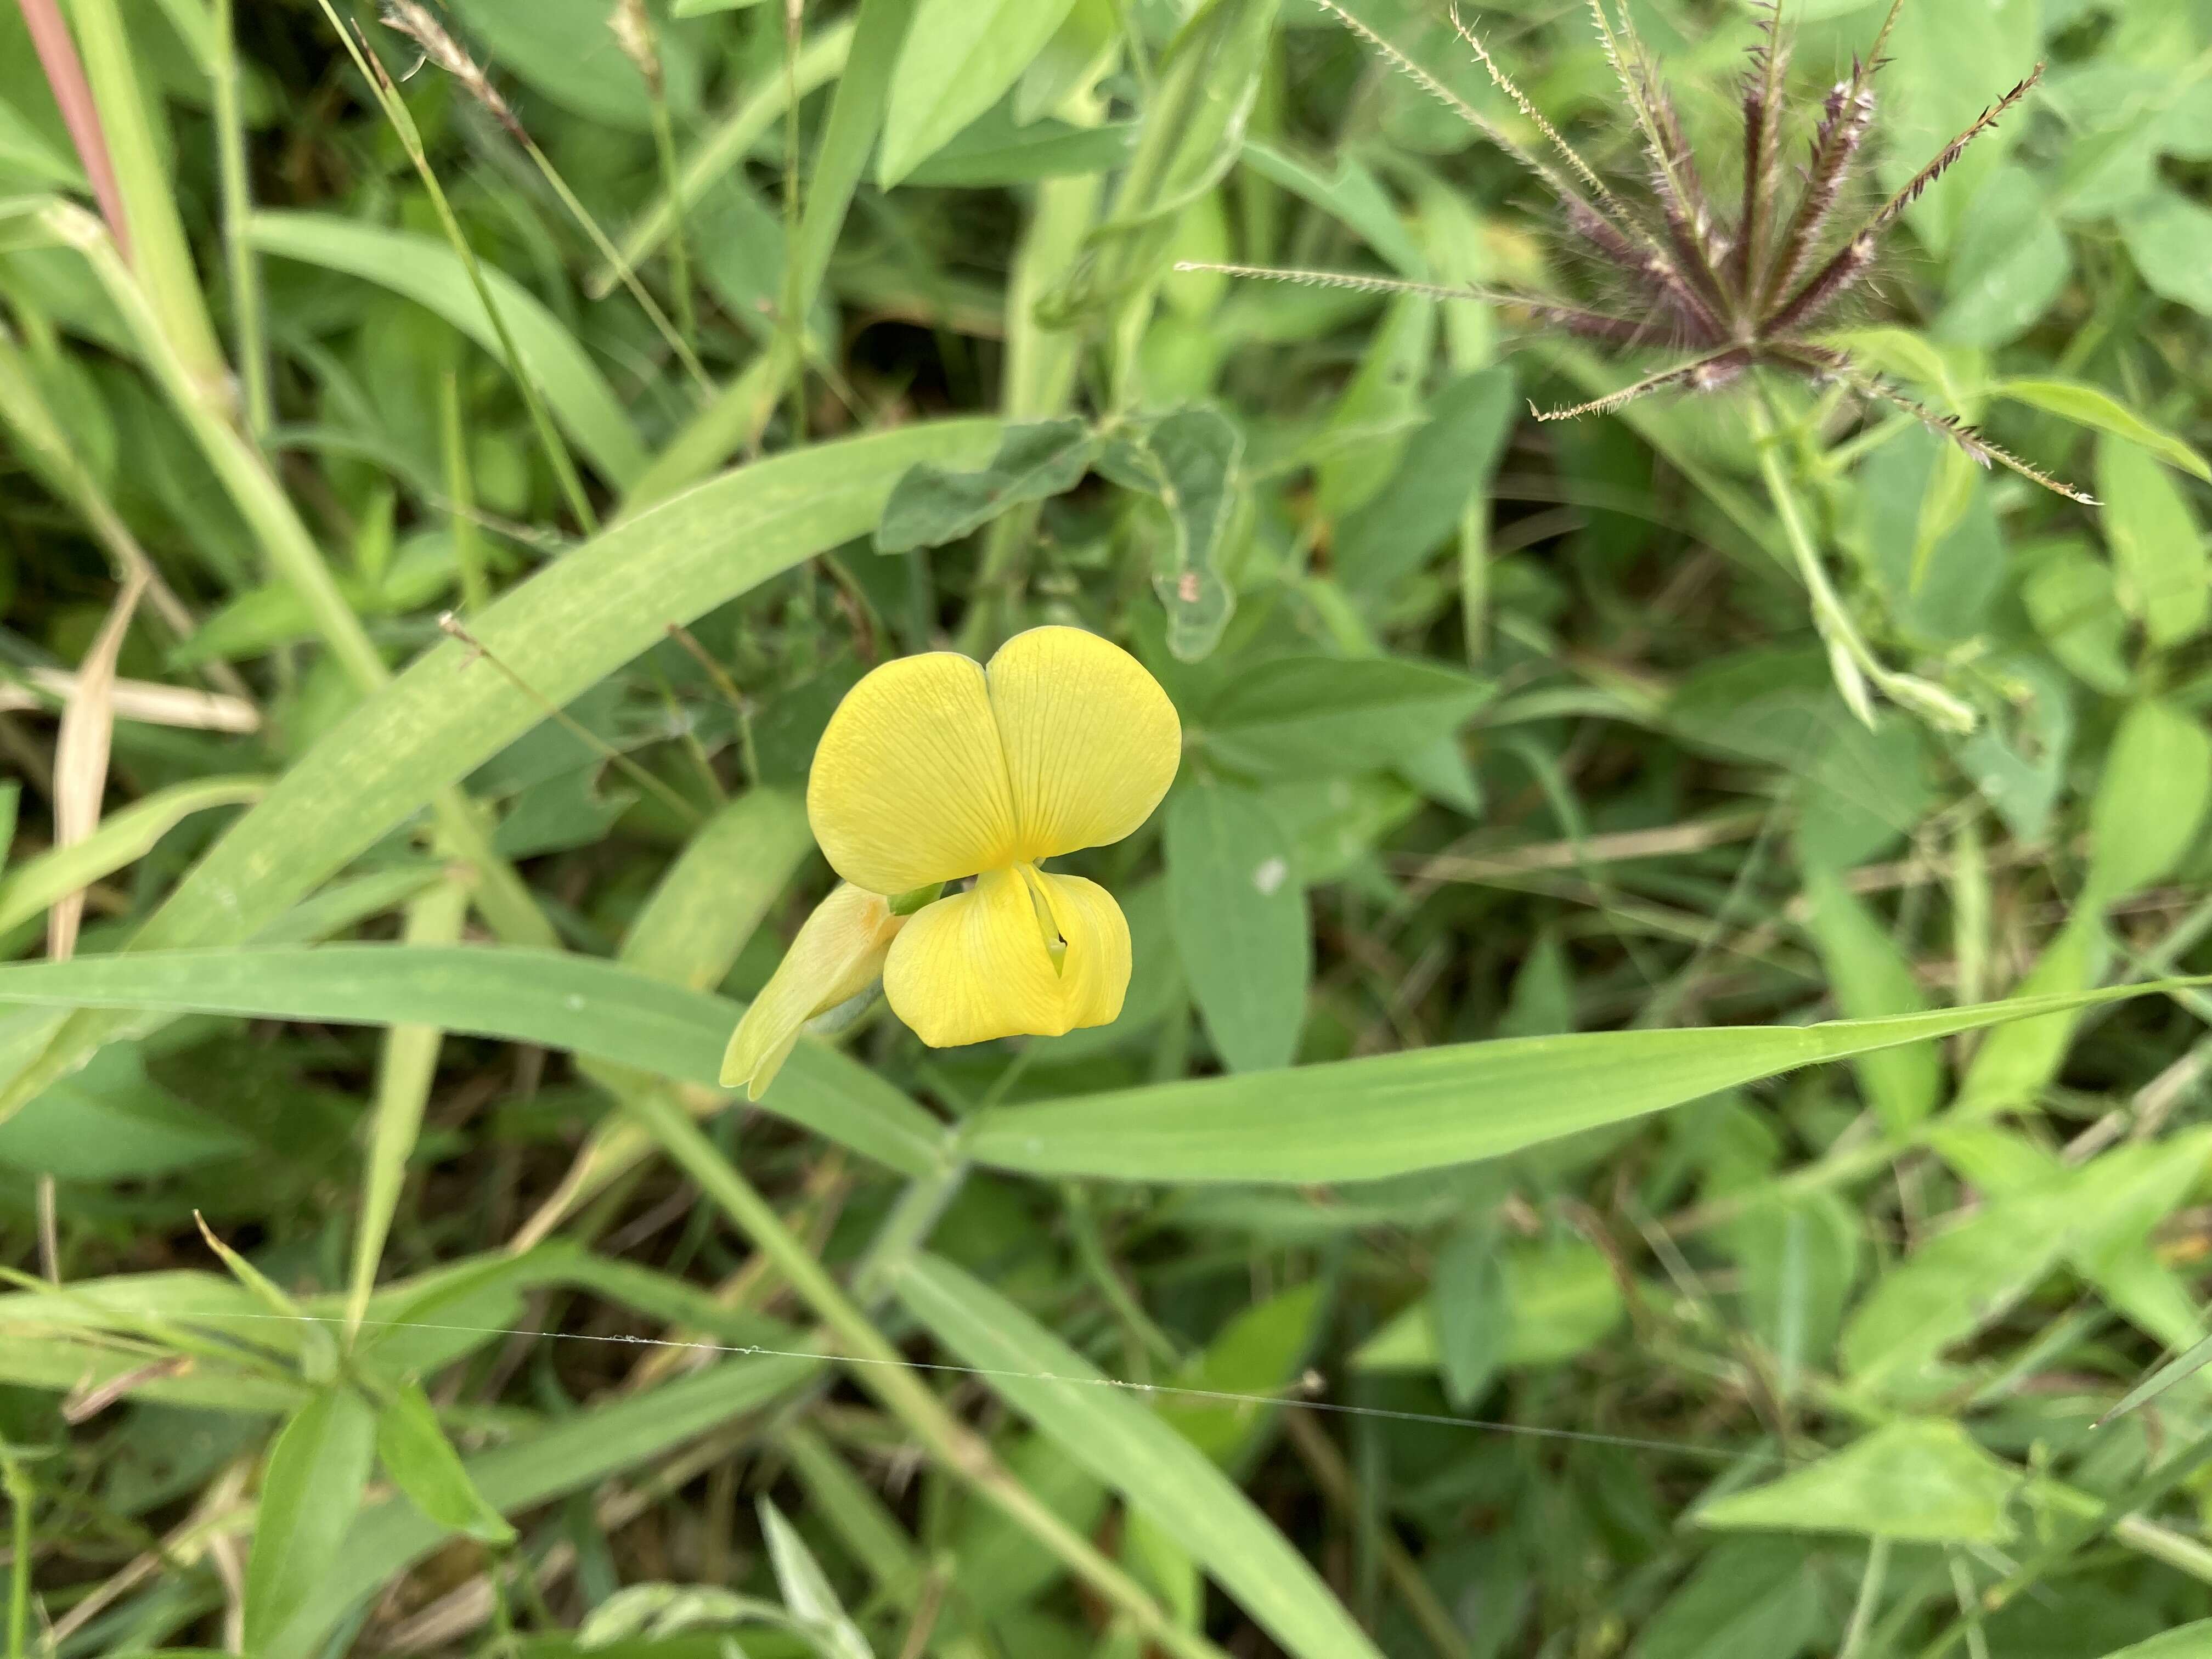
{"points": [[934, 767]]}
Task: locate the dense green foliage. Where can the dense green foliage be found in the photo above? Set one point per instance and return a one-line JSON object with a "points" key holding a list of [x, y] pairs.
{"points": [[1661, 1097]]}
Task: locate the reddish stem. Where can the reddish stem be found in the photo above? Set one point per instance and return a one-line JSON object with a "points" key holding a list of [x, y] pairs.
{"points": [[58, 55]]}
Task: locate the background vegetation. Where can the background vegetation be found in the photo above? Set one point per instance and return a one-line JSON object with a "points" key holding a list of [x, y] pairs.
{"points": [[821, 336]]}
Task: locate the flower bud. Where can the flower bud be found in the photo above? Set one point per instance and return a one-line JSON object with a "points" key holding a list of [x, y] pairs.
{"points": [[838, 956]]}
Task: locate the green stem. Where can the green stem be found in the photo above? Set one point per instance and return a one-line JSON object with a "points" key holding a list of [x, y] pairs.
{"points": [[883, 1371], [19, 1497], [250, 344], [1868, 1602], [460, 494], [677, 343], [679, 254]]}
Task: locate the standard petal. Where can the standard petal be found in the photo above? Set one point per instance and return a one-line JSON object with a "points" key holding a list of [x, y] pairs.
{"points": [[978, 965], [909, 781], [1091, 741], [838, 954]]}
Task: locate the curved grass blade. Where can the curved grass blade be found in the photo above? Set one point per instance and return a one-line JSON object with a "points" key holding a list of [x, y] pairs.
{"points": [[1388, 1114], [595, 1009]]}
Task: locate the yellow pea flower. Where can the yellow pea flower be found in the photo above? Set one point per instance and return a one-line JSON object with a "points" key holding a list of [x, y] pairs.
{"points": [[936, 767]]}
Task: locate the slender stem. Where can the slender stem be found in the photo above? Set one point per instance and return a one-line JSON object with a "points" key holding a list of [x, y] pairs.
{"points": [[460, 497], [795, 300], [1868, 1602], [678, 344], [19, 1497], [679, 254], [249, 344], [883, 1372]]}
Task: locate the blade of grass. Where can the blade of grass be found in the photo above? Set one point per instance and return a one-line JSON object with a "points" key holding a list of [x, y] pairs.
{"points": [[123, 838], [1431, 1107], [159, 253], [570, 1456], [1353, 1120], [64, 73], [707, 904], [406, 1067], [597, 1009], [867, 57], [249, 339]]}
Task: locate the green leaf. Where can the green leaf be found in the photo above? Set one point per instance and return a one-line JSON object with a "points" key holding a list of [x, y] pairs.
{"points": [[592, 1008], [1872, 977], [2170, 241], [1159, 1472], [992, 154], [1193, 127], [1916, 1480], [1325, 716], [807, 1590], [423, 1463], [933, 505], [2182, 1642], [2019, 1060], [2010, 262], [1958, 1281], [960, 57], [2150, 802], [2085, 405], [1350, 194], [1749, 1599], [562, 631], [112, 1123], [2158, 546], [2073, 599], [1187, 460], [1241, 930], [1798, 1257], [1256, 1353], [1561, 1300], [1473, 1313], [1386, 1114], [317, 1469], [428, 271], [1446, 464]]}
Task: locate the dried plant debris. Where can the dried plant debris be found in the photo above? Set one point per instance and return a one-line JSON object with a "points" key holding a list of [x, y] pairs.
{"points": [[1737, 292]]}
